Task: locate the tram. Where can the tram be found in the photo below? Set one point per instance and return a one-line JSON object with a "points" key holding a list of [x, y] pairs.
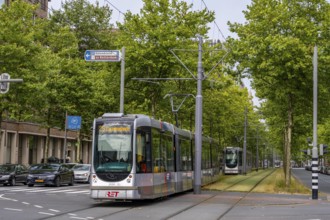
{"points": [[137, 157], [233, 160]]}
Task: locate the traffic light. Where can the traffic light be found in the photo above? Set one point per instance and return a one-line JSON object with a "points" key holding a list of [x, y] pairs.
{"points": [[4, 86], [323, 149]]}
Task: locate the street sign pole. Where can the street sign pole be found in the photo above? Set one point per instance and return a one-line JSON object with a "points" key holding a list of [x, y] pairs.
{"points": [[122, 80]]}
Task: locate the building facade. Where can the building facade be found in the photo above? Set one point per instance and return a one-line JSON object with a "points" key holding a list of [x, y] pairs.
{"points": [[24, 143]]}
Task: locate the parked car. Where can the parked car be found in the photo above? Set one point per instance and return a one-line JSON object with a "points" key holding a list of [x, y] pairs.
{"points": [[70, 165], [327, 170], [10, 174], [82, 172], [50, 174]]}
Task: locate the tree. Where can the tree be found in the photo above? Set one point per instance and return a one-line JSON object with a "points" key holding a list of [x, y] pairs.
{"points": [[275, 48], [162, 25]]}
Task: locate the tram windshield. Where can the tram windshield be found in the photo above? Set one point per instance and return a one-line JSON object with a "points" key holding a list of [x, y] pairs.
{"points": [[113, 147], [231, 158]]}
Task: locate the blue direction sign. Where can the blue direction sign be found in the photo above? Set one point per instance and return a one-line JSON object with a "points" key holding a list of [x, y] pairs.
{"points": [[74, 122], [102, 55]]}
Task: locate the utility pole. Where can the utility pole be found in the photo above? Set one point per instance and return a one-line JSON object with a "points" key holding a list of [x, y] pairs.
{"points": [[315, 165], [244, 143], [198, 121], [257, 156], [199, 109]]}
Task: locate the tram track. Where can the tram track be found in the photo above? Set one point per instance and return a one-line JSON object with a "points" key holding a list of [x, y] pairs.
{"points": [[181, 205], [244, 196], [224, 190], [241, 181]]}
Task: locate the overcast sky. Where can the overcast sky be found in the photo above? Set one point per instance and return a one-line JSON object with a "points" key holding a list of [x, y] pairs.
{"points": [[225, 10]]}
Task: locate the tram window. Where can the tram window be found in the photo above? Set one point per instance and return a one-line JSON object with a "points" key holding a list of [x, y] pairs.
{"points": [[143, 159], [168, 151], [186, 160], [156, 151], [163, 158]]}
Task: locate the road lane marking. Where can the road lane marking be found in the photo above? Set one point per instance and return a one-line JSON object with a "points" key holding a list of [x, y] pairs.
{"points": [[77, 217], [26, 203], [4, 198], [83, 191], [54, 210], [68, 190], [10, 209], [46, 213], [38, 206]]}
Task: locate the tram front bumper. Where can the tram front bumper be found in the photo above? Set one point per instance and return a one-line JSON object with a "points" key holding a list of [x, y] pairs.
{"points": [[114, 193]]}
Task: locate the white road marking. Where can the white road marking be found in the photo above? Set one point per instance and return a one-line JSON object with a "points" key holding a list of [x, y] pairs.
{"points": [[38, 206], [1, 197], [68, 190], [10, 209], [53, 210], [45, 213], [83, 191]]}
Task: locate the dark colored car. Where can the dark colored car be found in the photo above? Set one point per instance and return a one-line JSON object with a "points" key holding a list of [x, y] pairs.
{"points": [[10, 174], [70, 165], [50, 174]]}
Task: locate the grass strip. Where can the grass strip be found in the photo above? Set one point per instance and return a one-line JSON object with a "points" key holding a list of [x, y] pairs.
{"points": [[274, 183]]}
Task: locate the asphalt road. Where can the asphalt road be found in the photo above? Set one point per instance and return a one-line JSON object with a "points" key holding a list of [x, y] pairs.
{"points": [[306, 178], [73, 202], [39, 202]]}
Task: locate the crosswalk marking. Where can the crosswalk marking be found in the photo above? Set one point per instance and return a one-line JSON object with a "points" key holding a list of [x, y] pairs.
{"points": [[57, 191], [82, 192], [69, 190]]}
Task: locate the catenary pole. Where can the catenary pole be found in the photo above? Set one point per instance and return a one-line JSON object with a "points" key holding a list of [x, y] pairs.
{"points": [[198, 122], [244, 143]]}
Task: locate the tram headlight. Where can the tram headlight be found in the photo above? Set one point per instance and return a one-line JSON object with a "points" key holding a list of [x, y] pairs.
{"points": [[129, 179]]}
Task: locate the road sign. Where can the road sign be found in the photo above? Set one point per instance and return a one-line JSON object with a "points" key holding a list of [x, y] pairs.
{"points": [[74, 122], [102, 55], [4, 86]]}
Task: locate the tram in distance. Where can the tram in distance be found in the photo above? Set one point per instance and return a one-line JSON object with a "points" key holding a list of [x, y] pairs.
{"points": [[233, 162], [137, 157]]}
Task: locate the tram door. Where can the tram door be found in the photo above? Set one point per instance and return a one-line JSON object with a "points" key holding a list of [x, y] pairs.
{"points": [[163, 162]]}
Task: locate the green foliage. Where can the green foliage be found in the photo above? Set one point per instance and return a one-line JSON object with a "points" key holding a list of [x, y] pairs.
{"points": [[148, 37], [48, 55], [275, 47]]}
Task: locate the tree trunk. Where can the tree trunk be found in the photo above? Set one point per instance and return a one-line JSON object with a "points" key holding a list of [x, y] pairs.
{"points": [[288, 143], [47, 138]]}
